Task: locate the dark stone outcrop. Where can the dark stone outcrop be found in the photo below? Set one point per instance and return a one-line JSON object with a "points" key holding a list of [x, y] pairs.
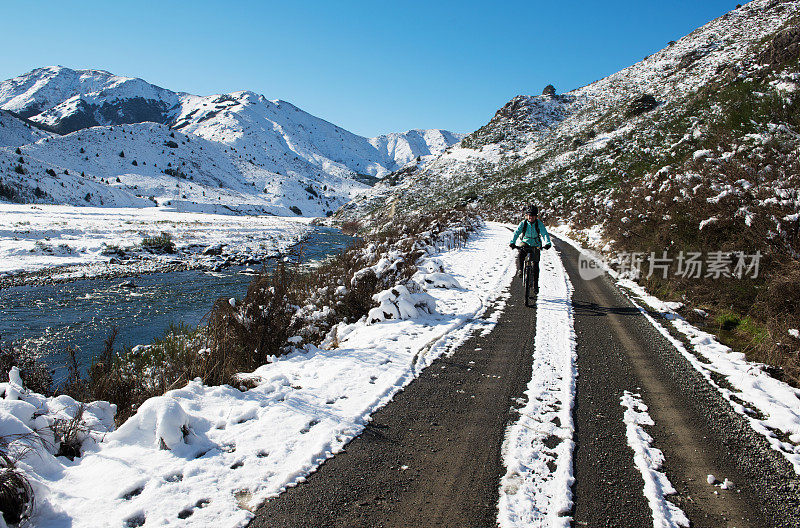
{"points": [[691, 57], [783, 48], [641, 105], [118, 112], [549, 90]]}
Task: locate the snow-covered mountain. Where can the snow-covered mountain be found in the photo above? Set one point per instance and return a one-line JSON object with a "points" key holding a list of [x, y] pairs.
{"points": [[571, 152], [276, 134], [233, 152], [69, 100], [147, 164]]}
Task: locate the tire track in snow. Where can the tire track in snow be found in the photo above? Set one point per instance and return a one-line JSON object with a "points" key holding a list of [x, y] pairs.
{"points": [[538, 448], [648, 461]]}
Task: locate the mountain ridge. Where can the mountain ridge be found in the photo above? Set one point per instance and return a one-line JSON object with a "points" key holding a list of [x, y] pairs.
{"points": [[68, 100], [277, 158]]}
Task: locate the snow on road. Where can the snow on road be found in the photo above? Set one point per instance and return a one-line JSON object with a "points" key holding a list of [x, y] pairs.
{"points": [[648, 461], [770, 406], [536, 489], [208, 456]]}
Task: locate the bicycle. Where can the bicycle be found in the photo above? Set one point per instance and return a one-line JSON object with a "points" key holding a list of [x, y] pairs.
{"points": [[530, 275]]}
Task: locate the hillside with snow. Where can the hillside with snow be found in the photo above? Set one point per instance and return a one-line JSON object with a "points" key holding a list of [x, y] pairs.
{"points": [[554, 147], [147, 164], [252, 155], [15, 132], [693, 149]]}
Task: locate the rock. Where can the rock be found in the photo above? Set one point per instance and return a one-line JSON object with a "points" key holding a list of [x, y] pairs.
{"points": [[784, 48], [641, 105], [214, 250], [549, 90], [691, 57]]}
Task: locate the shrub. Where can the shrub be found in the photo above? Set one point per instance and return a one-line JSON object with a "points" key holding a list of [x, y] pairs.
{"points": [[19, 170], [641, 105], [51, 172], [351, 227], [239, 340], [296, 210], [35, 374], [159, 244], [177, 173], [16, 493], [8, 192]]}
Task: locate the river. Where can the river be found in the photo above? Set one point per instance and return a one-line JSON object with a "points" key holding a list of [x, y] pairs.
{"points": [[80, 314]]}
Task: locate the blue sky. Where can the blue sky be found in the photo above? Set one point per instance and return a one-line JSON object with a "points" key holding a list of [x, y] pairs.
{"points": [[371, 67]]}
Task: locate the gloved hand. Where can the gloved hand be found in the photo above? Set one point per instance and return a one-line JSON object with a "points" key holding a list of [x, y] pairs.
{"points": [[548, 245]]}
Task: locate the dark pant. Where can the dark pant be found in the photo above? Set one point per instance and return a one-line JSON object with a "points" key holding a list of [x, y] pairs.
{"points": [[534, 251]]}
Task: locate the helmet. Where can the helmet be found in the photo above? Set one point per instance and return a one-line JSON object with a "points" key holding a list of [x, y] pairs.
{"points": [[532, 210]]}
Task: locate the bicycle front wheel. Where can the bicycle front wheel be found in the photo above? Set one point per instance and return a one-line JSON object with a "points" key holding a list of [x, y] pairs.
{"points": [[527, 281]]}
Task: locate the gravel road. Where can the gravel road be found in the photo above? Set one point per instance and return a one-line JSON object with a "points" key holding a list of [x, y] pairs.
{"points": [[432, 456]]}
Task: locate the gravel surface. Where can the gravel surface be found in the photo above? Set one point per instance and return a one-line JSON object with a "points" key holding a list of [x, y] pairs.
{"points": [[696, 429], [431, 457]]}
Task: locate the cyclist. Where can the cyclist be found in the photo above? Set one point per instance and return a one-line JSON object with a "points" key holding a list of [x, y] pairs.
{"points": [[530, 231]]}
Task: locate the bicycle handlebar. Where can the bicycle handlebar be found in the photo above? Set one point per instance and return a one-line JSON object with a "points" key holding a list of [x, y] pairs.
{"points": [[523, 247]]}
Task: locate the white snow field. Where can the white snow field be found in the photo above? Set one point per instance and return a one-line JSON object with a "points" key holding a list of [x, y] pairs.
{"points": [[531, 494], [207, 456], [771, 406], [34, 237], [648, 461]]}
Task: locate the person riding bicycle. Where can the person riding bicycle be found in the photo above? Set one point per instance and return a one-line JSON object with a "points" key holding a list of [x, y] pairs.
{"points": [[530, 231]]}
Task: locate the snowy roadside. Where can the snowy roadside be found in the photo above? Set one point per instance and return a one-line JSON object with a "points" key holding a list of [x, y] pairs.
{"points": [[538, 448], [770, 406], [201, 456], [87, 241]]}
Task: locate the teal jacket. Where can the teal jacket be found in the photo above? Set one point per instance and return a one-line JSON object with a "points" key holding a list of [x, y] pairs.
{"points": [[529, 235]]}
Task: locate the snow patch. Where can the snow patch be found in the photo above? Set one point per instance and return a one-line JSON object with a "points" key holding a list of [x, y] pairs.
{"points": [[648, 461]]}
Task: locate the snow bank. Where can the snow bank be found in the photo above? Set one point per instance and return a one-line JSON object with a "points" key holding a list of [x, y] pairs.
{"points": [[35, 427], [399, 303]]}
